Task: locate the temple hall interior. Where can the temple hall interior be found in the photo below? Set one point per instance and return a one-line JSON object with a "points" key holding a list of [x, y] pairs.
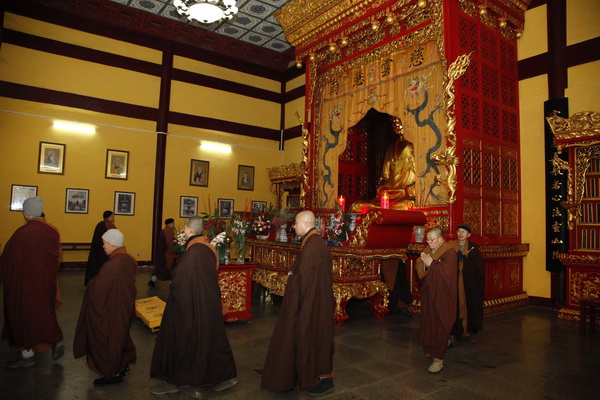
{"points": [[385, 118]]}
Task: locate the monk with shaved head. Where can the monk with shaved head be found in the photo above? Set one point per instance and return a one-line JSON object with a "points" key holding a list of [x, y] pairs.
{"points": [[301, 350]]}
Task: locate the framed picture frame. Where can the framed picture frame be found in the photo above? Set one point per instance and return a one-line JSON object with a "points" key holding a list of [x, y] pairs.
{"points": [[77, 201], [20, 193], [225, 208], [199, 173], [259, 207], [245, 177], [52, 158], [117, 164], [293, 201], [188, 206], [124, 203]]}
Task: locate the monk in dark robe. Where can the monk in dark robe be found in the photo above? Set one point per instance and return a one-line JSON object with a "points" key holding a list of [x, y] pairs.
{"points": [[97, 256], [438, 269], [471, 285], [102, 332], [192, 347], [28, 271], [164, 256], [301, 349]]}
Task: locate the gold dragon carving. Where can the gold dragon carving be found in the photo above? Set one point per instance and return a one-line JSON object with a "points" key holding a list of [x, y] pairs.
{"points": [[448, 158]]}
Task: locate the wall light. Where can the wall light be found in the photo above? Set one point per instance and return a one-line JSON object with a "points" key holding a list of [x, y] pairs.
{"points": [[74, 127], [214, 146]]}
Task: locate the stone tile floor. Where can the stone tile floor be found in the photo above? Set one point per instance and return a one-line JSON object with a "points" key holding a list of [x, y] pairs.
{"points": [[522, 354]]}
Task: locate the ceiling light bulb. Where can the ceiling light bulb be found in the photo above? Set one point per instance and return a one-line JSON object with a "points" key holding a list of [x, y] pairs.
{"points": [[422, 3], [482, 10], [519, 34], [332, 48], [390, 18], [344, 42], [312, 57], [298, 64], [502, 22], [375, 25]]}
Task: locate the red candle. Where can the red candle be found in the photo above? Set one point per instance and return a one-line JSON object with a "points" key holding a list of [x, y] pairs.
{"points": [[385, 201], [342, 202]]}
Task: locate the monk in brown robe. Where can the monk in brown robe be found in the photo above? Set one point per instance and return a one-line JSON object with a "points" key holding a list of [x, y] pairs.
{"points": [[301, 349], [28, 271], [97, 256], [471, 285], [438, 269], [192, 346], [164, 256], [102, 332]]}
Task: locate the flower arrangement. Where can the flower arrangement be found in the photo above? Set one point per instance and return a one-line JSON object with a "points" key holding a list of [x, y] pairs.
{"points": [[179, 243], [220, 244], [239, 227], [340, 229], [260, 226], [213, 224]]}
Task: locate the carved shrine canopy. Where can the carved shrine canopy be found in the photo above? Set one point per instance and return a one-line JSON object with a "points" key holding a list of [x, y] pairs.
{"points": [[407, 84]]}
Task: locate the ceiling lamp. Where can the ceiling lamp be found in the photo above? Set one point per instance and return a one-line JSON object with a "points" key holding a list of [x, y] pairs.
{"points": [[206, 11]]}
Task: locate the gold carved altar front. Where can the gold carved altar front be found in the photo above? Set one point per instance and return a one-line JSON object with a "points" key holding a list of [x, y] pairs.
{"points": [[356, 273], [579, 136]]}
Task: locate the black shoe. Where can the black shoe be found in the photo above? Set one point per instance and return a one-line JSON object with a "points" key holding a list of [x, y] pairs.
{"points": [[126, 371], [108, 380], [58, 350], [151, 284], [323, 386]]}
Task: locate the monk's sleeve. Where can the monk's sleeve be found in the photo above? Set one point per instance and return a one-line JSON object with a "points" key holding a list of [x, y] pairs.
{"points": [[420, 267]]}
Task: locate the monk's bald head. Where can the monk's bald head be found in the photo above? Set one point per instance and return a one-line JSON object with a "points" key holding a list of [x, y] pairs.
{"points": [[304, 222]]}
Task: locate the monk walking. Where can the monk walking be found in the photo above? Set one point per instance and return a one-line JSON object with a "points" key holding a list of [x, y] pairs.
{"points": [[28, 270], [301, 349], [102, 332], [438, 269]]}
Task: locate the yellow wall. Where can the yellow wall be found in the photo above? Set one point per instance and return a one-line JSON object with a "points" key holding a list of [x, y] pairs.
{"points": [[533, 93], [583, 87], [24, 124], [84, 168]]}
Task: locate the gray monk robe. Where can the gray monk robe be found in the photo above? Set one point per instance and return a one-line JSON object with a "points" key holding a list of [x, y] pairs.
{"points": [[192, 346], [108, 306], [301, 348], [438, 299]]}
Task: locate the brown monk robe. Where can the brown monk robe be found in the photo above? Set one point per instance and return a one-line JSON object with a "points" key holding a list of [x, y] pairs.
{"points": [[471, 285], [438, 269], [192, 347], [97, 256], [301, 348], [164, 255], [28, 271], [107, 309]]}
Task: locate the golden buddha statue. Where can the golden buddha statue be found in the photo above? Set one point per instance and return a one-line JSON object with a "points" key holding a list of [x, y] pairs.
{"points": [[398, 179]]}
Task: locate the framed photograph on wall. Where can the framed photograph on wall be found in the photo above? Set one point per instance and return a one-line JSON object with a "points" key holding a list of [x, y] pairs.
{"points": [[199, 173], [117, 164], [52, 158], [259, 207], [124, 203], [19, 194], [188, 206], [245, 177], [77, 201], [225, 208]]}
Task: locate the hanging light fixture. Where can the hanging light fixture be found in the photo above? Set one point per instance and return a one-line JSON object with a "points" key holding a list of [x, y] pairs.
{"points": [[206, 11]]}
